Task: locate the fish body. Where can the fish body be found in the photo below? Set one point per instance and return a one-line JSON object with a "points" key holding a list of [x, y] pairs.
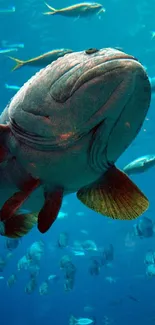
{"points": [[80, 321], [12, 87], [140, 165], [152, 82], [12, 244], [16, 45], [5, 44], [63, 132], [41, 60], [78, 10], [8, 50], [78, 253], [8, 10], [144, 228]]}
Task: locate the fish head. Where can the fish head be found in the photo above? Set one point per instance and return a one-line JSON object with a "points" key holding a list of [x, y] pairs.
{"points": [[105, 93], [62, 52], [97, 6], [150, 158]]}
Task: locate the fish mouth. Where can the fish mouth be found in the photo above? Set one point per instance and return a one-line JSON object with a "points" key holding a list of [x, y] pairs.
{"points": [[30, 138], [127, 109]]}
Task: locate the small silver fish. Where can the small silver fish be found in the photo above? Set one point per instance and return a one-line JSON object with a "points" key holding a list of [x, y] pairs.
{"points": [[42, 60], [140, 165], [80, 321], [14, 45], [78, 253], [152, 82], [85, 9], [2, 50], [12, 87], [8, 10]]}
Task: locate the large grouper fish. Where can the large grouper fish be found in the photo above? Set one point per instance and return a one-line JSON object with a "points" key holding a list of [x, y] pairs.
{"points": [[63, 132]]}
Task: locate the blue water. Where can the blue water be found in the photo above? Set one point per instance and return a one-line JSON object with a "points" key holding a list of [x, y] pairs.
{"points": [[126, 24]]}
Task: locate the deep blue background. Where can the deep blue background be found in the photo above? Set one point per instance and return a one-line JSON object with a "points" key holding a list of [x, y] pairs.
{"points": [[127, 24]]}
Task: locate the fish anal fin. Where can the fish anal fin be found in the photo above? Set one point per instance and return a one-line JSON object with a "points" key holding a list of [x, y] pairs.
{"points": [[115, 196], [18, 225], [50, 209]]}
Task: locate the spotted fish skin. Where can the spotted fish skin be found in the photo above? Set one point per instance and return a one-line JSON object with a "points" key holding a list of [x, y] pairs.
{"points": [[72, 120]]}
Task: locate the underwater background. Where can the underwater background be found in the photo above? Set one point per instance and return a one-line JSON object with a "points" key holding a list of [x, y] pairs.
{"points": [[117, 292]]}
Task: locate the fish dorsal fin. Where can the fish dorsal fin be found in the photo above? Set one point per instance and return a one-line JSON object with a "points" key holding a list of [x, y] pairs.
{"points": [[50, 209], [115, 196]]}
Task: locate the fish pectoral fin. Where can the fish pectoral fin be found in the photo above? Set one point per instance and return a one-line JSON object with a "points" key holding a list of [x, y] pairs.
{"points": [[18, 225], [16, 200], [12, 224], [77, 18], [50, 210], [115, 196]]}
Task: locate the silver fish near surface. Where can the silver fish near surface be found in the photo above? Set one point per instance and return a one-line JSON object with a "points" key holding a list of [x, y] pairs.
{"points": [[12, 87], [81, 321], [42, 60], [8, 10], [14, 45], [8, 50], [79, 10], [140, 165], [62, 133]]}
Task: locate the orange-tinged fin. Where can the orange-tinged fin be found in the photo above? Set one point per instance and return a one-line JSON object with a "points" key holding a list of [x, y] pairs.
{"points": [[52, 10], [49, 211], [14, 202], [18, 225], [115, 196], [19, 63]]}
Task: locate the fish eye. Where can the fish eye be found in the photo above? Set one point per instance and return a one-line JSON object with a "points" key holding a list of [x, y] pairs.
{"points": [[91, 51]]}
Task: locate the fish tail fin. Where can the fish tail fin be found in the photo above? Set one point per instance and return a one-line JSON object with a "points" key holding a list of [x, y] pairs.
{"points": [[52, 10], [18, 225], [19, 63], [72, 320]]}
